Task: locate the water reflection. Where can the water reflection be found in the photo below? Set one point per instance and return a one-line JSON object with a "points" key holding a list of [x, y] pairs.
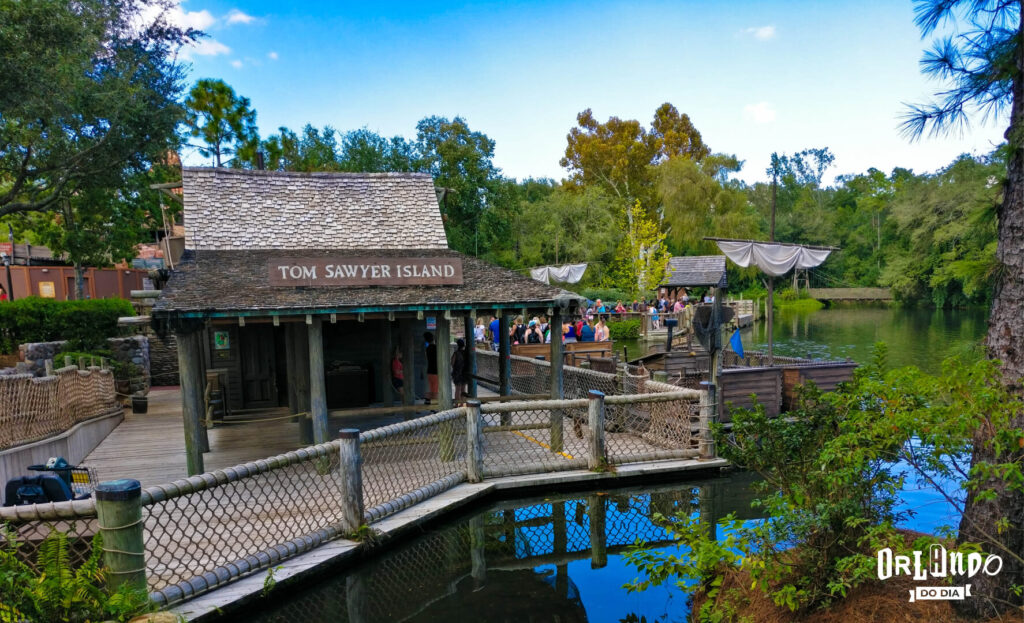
{"points": [[920, 337], [552, 558]]}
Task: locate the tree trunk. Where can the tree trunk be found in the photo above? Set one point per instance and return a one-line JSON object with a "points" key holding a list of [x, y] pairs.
{"points": [[1005, 341], [79, 282]]}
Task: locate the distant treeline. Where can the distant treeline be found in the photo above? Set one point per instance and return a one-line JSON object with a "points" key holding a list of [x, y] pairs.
{"points": [[634, 194]]}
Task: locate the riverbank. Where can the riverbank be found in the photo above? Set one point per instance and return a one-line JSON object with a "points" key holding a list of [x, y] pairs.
{"points": [[872, 602]]}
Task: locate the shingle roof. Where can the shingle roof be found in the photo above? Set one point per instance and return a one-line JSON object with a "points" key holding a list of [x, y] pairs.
{"points": [[223, 282], [241, 209], [695, 270]]}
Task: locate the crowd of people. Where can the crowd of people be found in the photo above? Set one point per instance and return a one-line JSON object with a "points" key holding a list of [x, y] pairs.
{"points": [[591, 326]]}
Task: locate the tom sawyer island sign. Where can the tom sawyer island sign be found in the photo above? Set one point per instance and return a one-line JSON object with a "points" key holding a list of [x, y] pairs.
{"points": [[365, 271]]}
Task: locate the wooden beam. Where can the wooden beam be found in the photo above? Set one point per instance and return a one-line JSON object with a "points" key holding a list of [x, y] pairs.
{"points": [[190, 371], [317, 382], [405, 328], [444, 364], [470, 371]]}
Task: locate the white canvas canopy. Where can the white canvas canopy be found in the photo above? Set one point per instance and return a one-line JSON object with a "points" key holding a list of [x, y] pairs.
{"points": [[569, 273], [772, 258]]}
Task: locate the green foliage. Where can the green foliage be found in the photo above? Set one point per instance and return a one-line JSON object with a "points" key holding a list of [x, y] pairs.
{"points": [[54, 591], [829, 489], [800, 305], [624, 329], [567, 227], [89, 96], [608, 296], [642, 255], [122, 370], [617, 155], [224, 121], [84, 324]]}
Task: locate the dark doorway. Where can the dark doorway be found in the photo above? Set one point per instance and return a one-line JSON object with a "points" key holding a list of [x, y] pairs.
{"points": [[259, 382]]}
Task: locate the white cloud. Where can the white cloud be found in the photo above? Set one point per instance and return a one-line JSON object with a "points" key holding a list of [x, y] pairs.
{"points": [[272, 56], [237, 64], [761, 112], [761, 33], [204, 47], [235, 16]]}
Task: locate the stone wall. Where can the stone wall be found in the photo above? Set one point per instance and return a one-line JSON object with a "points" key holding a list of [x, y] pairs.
{"points": [[35, 354], [134, 349], [163, 358]]}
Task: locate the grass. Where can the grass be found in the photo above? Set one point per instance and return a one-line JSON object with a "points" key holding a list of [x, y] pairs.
{"points": [[800, 305]]}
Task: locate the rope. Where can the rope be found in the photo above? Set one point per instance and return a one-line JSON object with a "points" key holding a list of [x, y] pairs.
{"points": [[127, 525]]}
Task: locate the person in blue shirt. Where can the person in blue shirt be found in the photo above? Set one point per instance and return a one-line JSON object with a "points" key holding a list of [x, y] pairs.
{"points": [[495, 338], [587, 333]]}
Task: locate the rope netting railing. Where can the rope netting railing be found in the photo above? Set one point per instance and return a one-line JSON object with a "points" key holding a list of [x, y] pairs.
{"points": [[534, 436], [33, 408], [408, 462], [208, 529]]}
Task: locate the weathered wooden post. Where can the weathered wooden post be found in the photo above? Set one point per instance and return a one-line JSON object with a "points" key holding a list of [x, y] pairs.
{"points": [[81, 363], [317, 381], [561, 546], [351, 480], [386, 390], [48, 364], [504, 363], [474, 442], [301, 380], [119, 514], [661, 376], [68, 361], [478, 551], [291, 365], [557, 381], [596, 457], [356, 600], [408, 362], [706, 505], [708, 414], [446, 430], [190, 370], [598, 536], [103, 363], [470, 366]]}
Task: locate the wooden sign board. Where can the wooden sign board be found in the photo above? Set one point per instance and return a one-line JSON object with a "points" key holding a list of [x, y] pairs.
{"points": [[46, 290], [365, 271]]}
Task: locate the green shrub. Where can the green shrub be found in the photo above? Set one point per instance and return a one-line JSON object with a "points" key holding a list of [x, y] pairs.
{"points": [[608, 296], [624, 329], [84, 324], [801, 305], [123, 370], [55, 591]]}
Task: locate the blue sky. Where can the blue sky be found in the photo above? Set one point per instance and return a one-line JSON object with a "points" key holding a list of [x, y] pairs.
{"points": [[755, 77]]}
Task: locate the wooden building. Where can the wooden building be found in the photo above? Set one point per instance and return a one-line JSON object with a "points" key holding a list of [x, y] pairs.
{"points": [[301, 286], [693, 271]]}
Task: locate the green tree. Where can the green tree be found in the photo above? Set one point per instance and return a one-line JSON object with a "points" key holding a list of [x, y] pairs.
{"points": [[981, 66], [365, 150], [460, 160], [224, 121], [617, 155], [88, 93], [569, 227], [642, 254]]}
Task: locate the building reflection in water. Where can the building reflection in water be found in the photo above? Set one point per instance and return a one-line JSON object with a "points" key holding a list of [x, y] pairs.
{"points": [[510, 561]]}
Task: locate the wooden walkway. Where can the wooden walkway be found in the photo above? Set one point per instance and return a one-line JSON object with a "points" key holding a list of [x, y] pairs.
{"points": [[851, 294], [151, 447]]}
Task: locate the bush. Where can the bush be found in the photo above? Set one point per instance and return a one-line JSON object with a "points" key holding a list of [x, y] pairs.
{"points": [[83, 324], [55, 591], [123, 370], [607, 295], [624, 329]]}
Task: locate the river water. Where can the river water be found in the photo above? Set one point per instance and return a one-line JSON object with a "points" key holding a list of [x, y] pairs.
{"points": [[559, 556], [919, 337]]}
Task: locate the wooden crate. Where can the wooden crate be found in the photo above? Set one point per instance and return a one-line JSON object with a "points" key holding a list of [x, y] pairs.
{"points": [[737, 385], [826, 376]]}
